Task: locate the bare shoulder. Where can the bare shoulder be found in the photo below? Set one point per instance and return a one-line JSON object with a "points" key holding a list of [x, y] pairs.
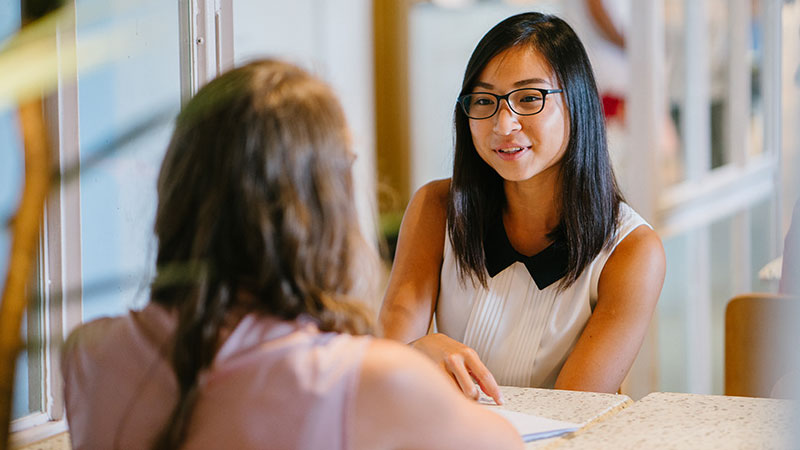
{"points": [[428, 208], [433, 194], [642, 245], [391, 374], [393, 368], [634, 273], [427, 211], [439, 187]]}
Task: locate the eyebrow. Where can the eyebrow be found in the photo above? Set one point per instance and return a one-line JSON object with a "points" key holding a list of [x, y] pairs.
{"points": [[517, 84]]}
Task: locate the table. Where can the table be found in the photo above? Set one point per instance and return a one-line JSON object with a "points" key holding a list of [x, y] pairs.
{"points": [[660, 420], [581, 407]]}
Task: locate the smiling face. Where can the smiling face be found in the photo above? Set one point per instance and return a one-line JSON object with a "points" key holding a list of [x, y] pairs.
{"points": [[518, 147]]}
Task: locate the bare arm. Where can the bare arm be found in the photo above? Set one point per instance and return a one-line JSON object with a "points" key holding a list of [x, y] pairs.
{"points": [[627, 291], [414, 287], [414, 282], [404, 402]]}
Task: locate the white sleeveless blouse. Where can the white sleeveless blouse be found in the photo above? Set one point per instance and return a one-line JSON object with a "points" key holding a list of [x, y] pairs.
{"points": [[522, 334]]}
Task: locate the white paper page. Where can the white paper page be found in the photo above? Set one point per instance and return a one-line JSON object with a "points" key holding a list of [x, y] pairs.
{"points": [[532, 427]]}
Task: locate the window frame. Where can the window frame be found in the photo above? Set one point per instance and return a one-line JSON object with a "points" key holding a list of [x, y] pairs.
{"points": [[57, 289]]}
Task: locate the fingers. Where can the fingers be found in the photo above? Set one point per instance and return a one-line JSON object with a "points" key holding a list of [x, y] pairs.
{"points": [[454, 363], [483, 376], [462, 363], [490, 387], [452, 377]]}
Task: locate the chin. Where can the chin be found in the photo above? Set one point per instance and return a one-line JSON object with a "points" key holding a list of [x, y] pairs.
{"points": [[516, 178]]}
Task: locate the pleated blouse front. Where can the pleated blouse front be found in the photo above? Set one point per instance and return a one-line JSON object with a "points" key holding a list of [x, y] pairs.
{"points": [[522, 333]]}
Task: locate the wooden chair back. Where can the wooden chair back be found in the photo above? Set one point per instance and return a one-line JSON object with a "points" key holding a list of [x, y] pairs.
{"points": [[761, 344]]}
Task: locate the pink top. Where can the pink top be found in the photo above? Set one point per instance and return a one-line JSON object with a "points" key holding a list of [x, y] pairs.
{"points": [[273, 384]]}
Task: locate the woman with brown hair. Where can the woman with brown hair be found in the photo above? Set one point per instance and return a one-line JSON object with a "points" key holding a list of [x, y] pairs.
{"points": [[249, 340]]}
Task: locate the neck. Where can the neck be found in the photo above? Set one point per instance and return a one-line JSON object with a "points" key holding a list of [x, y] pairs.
{"points": [[533, 210], [536, 201]]}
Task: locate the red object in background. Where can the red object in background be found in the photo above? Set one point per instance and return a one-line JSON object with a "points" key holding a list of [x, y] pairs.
{"points": [[613, 107]]}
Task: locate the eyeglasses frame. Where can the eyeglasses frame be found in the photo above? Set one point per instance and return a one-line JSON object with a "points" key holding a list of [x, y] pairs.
{"points": [[505, 97]]}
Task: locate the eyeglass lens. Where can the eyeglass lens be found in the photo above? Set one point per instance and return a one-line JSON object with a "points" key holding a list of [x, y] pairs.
{"points": [[484, 105]]}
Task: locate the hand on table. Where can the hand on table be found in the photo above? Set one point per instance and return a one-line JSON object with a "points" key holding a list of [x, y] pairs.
{"points": [[461, 363]]}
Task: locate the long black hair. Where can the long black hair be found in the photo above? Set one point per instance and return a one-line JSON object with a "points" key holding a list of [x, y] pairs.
{"points": [[590, 196], [255, 214]]}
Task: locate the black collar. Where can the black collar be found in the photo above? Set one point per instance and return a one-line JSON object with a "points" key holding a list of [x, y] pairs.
{"points": [[545, 267]]}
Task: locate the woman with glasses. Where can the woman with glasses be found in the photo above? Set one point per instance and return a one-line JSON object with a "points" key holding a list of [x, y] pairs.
{"points": [[250, 338], [539, 273]]}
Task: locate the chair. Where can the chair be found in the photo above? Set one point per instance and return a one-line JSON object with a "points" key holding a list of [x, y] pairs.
{"points": [[761, 344]]}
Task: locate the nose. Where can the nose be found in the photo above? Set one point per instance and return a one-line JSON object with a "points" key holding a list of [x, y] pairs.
{"points": [[505, 121]]}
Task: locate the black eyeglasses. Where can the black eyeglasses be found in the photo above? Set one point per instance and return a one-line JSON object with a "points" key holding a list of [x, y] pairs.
{"points": [[525, 102]]}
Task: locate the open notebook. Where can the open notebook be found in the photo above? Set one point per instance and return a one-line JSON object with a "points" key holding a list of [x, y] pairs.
{"points": [[529, 426]]}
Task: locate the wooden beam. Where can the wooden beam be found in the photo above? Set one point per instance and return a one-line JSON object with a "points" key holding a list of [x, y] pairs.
{"points": [[390, 23]]}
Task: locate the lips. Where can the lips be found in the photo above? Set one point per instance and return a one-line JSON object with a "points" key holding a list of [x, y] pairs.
{"points": [[511, 153], [511, 150]]}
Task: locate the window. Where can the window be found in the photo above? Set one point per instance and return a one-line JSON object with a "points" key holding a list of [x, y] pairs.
{"points": [[141, 81], [718, 215], [96, 246]]}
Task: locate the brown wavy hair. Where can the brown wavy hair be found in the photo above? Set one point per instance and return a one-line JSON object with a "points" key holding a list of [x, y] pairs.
{"points": [[255, 214]]}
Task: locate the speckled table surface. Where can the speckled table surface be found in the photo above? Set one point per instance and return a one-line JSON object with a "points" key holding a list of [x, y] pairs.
{"points": [[660, 420], [688, 421], [581, 407]]}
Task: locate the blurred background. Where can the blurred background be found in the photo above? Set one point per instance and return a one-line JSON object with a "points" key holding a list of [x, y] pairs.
{"points": [[702, 101]]}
